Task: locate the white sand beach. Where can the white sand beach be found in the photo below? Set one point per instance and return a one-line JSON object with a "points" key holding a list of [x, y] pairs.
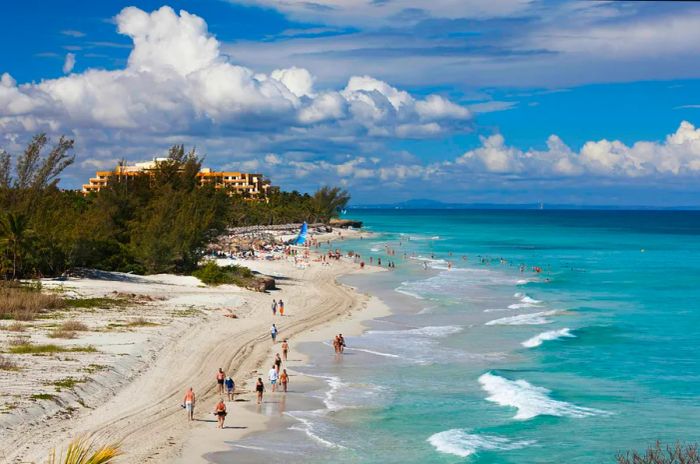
{"points": [[130, 388]]}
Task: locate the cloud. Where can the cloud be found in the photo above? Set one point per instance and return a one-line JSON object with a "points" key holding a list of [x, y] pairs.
{"points": [[73, 33], [177, 81], [371, 12], [677, 155], [69, 63]]}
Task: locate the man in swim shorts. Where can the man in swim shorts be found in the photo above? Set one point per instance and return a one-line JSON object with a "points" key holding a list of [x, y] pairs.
{"points": [[189, 404], [273, 376], [220, 376]]}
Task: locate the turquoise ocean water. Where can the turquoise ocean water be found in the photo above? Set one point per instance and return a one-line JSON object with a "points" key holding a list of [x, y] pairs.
{"points": [[486, 363]]}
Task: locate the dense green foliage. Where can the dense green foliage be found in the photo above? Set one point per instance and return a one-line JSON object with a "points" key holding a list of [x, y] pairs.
{"points": [[142, 224], [211, 274]]}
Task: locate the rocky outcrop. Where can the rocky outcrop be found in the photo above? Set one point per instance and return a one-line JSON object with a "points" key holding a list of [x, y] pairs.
{"points": [[261, 283], [345, 223]]}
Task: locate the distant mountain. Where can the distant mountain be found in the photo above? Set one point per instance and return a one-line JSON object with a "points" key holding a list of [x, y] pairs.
{"points": [[424, 203]]}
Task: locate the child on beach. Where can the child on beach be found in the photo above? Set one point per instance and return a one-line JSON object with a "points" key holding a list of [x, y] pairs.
{"points": [[220, 413], [259, 389], [284, 379], [273, 332], [273, 376], [285, 349], [230, 387], [220, 376], [189, 404]]}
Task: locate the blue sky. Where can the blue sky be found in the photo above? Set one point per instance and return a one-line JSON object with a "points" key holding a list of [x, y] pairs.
{"points": [[480, 101]]}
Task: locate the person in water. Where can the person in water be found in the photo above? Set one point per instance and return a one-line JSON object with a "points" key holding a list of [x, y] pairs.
{"points": [[273, 333], [220, 413], [285, 349], [259, 389], [284, 379], [220, 376], [273, 376], [230, 387], [341, 343], [189, 404]]}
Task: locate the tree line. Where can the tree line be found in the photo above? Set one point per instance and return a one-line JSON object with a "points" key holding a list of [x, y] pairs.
{"points": [[142, 224]]}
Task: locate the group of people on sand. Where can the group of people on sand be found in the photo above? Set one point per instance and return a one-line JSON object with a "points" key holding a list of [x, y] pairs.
{"points": [[276, 375], [277, 306], [339, 344], [223, 382]]}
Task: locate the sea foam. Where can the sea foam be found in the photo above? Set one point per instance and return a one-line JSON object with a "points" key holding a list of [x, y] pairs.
{"points": [[547, 336], [530, 400], [461, 443], [525, 319], [440, 331]]}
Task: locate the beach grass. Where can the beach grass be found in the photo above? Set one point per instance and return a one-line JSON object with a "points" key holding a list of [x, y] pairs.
{"points": [[25, 303], [29, 348], [68, 382], [43, 396], [6, 364], [96, 302], [16, 327], [141, 322]]}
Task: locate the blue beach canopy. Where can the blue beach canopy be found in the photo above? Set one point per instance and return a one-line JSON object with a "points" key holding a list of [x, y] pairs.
{"points": [[301, 238]]}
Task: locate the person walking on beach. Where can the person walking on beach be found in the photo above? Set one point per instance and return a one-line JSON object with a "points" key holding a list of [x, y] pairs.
{"points": [[278, 362], [230, 387], [189, 404], [273, 376], [273, 333], [274, 307], [281, 307], [220, 376], [285, 349], [284, 379], [259, 389], [220, 413]]}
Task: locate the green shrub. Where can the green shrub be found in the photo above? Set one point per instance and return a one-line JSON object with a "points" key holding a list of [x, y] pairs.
{"points": [[212, 274]]}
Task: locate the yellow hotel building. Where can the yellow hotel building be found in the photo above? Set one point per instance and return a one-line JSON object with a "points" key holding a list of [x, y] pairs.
{"points": [[251, 185]]}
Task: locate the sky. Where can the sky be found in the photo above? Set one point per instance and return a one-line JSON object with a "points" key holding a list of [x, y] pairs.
{"points": [[462, 101]]}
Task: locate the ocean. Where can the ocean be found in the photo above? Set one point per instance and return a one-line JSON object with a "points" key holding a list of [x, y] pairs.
{"points": [[516, 337]]}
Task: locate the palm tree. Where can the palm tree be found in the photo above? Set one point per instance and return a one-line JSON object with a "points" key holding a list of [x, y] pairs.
{"points": [[328, 201], [82, 451], [14, 237]]}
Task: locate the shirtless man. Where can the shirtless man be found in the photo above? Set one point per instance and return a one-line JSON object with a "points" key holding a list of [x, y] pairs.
{"points": [[285, 349], [189, 404]]}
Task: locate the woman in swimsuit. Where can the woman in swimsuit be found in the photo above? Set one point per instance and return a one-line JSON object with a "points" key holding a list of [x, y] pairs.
{"points": [[220, 413], [260, 388], [278, 362], [284, 379]]}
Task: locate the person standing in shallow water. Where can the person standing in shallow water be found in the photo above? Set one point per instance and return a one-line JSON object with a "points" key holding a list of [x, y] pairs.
{"points": [[273, 376], [259, 389], [284, 379]]}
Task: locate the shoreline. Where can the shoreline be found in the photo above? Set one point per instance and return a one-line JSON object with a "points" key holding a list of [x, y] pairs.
{"points": [[143, 409]]}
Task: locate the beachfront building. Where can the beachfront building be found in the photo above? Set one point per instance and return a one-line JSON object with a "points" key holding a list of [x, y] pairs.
{"points": [[247, 184]]}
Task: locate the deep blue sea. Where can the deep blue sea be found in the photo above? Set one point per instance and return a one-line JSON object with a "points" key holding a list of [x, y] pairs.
{"points": [[488, 361]]}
